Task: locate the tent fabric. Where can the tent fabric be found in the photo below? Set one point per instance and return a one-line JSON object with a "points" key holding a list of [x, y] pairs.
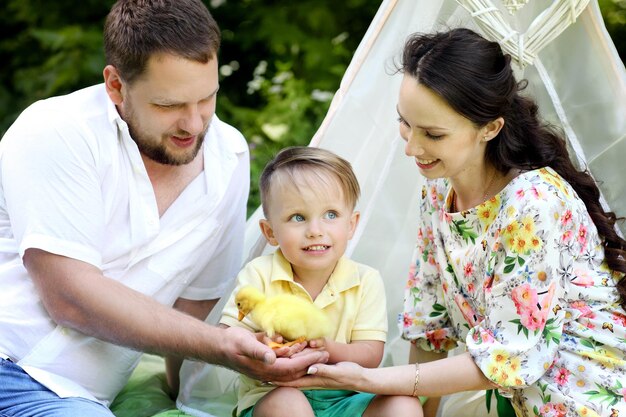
{"points": [[523, 46], [577, 79]]}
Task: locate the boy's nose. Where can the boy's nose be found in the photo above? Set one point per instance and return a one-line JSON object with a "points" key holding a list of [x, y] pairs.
{"points": [[314, 229]]}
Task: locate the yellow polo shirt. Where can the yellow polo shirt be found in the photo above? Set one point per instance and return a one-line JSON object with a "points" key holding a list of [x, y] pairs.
{"points": [[353, 298]]}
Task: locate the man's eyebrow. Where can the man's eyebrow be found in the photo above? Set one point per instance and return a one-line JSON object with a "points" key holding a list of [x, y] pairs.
{"points": [[170, 102]]}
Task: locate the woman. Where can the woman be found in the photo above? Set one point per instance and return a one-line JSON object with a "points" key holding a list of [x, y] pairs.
{"points": [[516, 258]]}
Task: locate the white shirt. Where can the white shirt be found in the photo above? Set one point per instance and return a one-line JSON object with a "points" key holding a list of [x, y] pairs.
{"points": [[72, 182]]}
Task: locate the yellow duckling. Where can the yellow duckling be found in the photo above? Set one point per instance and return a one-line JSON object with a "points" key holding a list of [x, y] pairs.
{"points": [[294, 318]]}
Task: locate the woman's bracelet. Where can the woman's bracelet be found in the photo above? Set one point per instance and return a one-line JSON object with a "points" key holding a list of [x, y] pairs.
{"points": [[417, 379]]}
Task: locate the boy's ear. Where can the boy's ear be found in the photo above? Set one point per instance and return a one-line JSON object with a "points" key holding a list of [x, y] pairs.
{"points": [[354, 222], [268, 232]]}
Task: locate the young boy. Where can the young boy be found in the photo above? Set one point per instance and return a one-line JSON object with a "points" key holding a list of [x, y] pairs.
{"points": [[308, 197]]}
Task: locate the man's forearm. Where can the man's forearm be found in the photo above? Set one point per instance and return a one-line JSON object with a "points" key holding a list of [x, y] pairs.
{"points": [[78, 296]]}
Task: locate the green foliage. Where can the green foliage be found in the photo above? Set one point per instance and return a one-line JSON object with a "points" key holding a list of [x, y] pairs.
{"points": [[614, 14], [281, 61], [48, 51]]}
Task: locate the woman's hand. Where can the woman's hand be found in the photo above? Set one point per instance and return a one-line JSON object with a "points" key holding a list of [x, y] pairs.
{"points": [[343, 375]]}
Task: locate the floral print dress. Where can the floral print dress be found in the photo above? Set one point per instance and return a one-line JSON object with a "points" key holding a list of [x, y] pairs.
{"points": [[521, 281]]}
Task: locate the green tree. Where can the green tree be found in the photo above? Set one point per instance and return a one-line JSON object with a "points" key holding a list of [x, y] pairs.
{"points": [[614, 15], [281, 62]]}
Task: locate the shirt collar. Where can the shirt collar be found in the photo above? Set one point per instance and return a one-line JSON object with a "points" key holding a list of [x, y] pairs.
{"points": [[345, 276], [112, 114]]}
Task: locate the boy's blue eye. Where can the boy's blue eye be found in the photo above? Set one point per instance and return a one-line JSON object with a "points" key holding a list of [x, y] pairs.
{"points": [[297, 218], [331, 215]]}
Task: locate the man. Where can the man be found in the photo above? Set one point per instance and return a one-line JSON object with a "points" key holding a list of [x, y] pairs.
{"points": [[118, 202]]}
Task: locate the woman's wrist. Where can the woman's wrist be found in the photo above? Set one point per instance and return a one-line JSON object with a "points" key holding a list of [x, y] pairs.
{"points": [[388, 381], [367, 382], [416, 380]]}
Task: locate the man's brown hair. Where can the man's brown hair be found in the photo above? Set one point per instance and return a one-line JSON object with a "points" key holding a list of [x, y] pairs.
{"points": [[135, 30]]}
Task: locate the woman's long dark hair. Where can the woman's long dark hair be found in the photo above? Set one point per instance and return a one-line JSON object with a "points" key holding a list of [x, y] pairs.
{"points": [[476, 79]]}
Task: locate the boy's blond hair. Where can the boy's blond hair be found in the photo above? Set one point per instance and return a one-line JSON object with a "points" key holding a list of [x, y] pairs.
{"points": [[295, 161]]}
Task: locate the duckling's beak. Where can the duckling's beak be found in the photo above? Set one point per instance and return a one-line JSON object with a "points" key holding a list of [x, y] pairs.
{"points": [[241, 315]]}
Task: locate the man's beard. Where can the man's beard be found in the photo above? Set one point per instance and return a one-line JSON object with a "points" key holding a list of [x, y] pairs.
{"points": [[158, 152], [155, 150]]}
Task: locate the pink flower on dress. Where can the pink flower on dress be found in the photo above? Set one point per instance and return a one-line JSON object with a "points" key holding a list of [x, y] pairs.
{"points": [[487, 283], [412, 281], [519, 193], [533, 315], [560, 409], [486, 336], [582, 278], [437, 338], [562, 376], [407, 320], [567, 236], [619, 318], [566, 218], [433, 195], [429, 234], [553, 410], [468, 269], [584, 308], [534, 319], [466, 309], [588, 324], [581, 236], [524, 297]]}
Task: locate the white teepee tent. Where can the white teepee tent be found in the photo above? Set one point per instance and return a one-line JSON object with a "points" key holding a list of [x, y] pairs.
{"points": [[574, 73]]}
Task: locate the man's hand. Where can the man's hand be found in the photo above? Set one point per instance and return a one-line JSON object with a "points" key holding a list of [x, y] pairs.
{"points": [[245, 353]]}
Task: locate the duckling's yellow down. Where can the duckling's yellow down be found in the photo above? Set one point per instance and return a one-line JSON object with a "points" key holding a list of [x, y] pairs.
{"points": [[289, 315]]}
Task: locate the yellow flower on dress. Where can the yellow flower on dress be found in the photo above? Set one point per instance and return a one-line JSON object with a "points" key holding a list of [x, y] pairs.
{"points": [[488, 211], [535, 243], [503, 369], [521, 244], [509, 233], [528, 225], [606, 358], [587, 412], [499, 356], [511, 211], [553, 179], [520, 237]]}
